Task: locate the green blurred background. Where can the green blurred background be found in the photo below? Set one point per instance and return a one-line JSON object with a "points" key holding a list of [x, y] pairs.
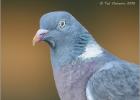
{"points": [[26, 70]]}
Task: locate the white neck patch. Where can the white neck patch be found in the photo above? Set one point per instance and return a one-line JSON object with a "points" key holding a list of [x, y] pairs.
{"points": [[91, 50], [89, 94]]}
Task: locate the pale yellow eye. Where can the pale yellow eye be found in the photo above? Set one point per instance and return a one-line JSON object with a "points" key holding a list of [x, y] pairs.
{"points": [[62, 24]]}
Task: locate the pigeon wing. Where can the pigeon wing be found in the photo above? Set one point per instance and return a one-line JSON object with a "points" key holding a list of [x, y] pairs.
{"points": [[115, 81]]}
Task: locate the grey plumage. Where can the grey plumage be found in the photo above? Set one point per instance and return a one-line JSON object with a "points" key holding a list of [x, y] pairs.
{"points": [[83, 70], [116, 81]]}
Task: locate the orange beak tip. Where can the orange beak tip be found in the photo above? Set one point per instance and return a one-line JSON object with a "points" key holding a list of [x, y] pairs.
{"points": [[36, 39]]}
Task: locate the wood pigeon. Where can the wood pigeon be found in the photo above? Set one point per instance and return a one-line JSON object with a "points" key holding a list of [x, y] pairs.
{"points": [[82, 69]]}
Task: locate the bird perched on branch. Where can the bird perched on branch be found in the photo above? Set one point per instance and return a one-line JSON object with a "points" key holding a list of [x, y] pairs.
{"points": [[83, 70]]}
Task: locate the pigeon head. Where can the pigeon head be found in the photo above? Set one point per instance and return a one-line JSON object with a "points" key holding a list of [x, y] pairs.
{"points": [[57, 28], [66, 37]]}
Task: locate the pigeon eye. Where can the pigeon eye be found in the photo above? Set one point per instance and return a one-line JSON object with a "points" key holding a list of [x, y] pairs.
{"points": [[62, 24]]}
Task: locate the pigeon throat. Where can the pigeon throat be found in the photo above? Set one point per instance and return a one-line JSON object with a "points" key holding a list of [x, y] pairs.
{"points": [[92, 50]]}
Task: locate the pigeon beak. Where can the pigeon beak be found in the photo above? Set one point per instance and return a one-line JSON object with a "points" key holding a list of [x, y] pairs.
{"points": [[38, 37]]}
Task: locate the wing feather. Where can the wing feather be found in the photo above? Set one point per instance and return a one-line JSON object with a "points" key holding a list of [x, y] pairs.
{"points": [[115, 81]]}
